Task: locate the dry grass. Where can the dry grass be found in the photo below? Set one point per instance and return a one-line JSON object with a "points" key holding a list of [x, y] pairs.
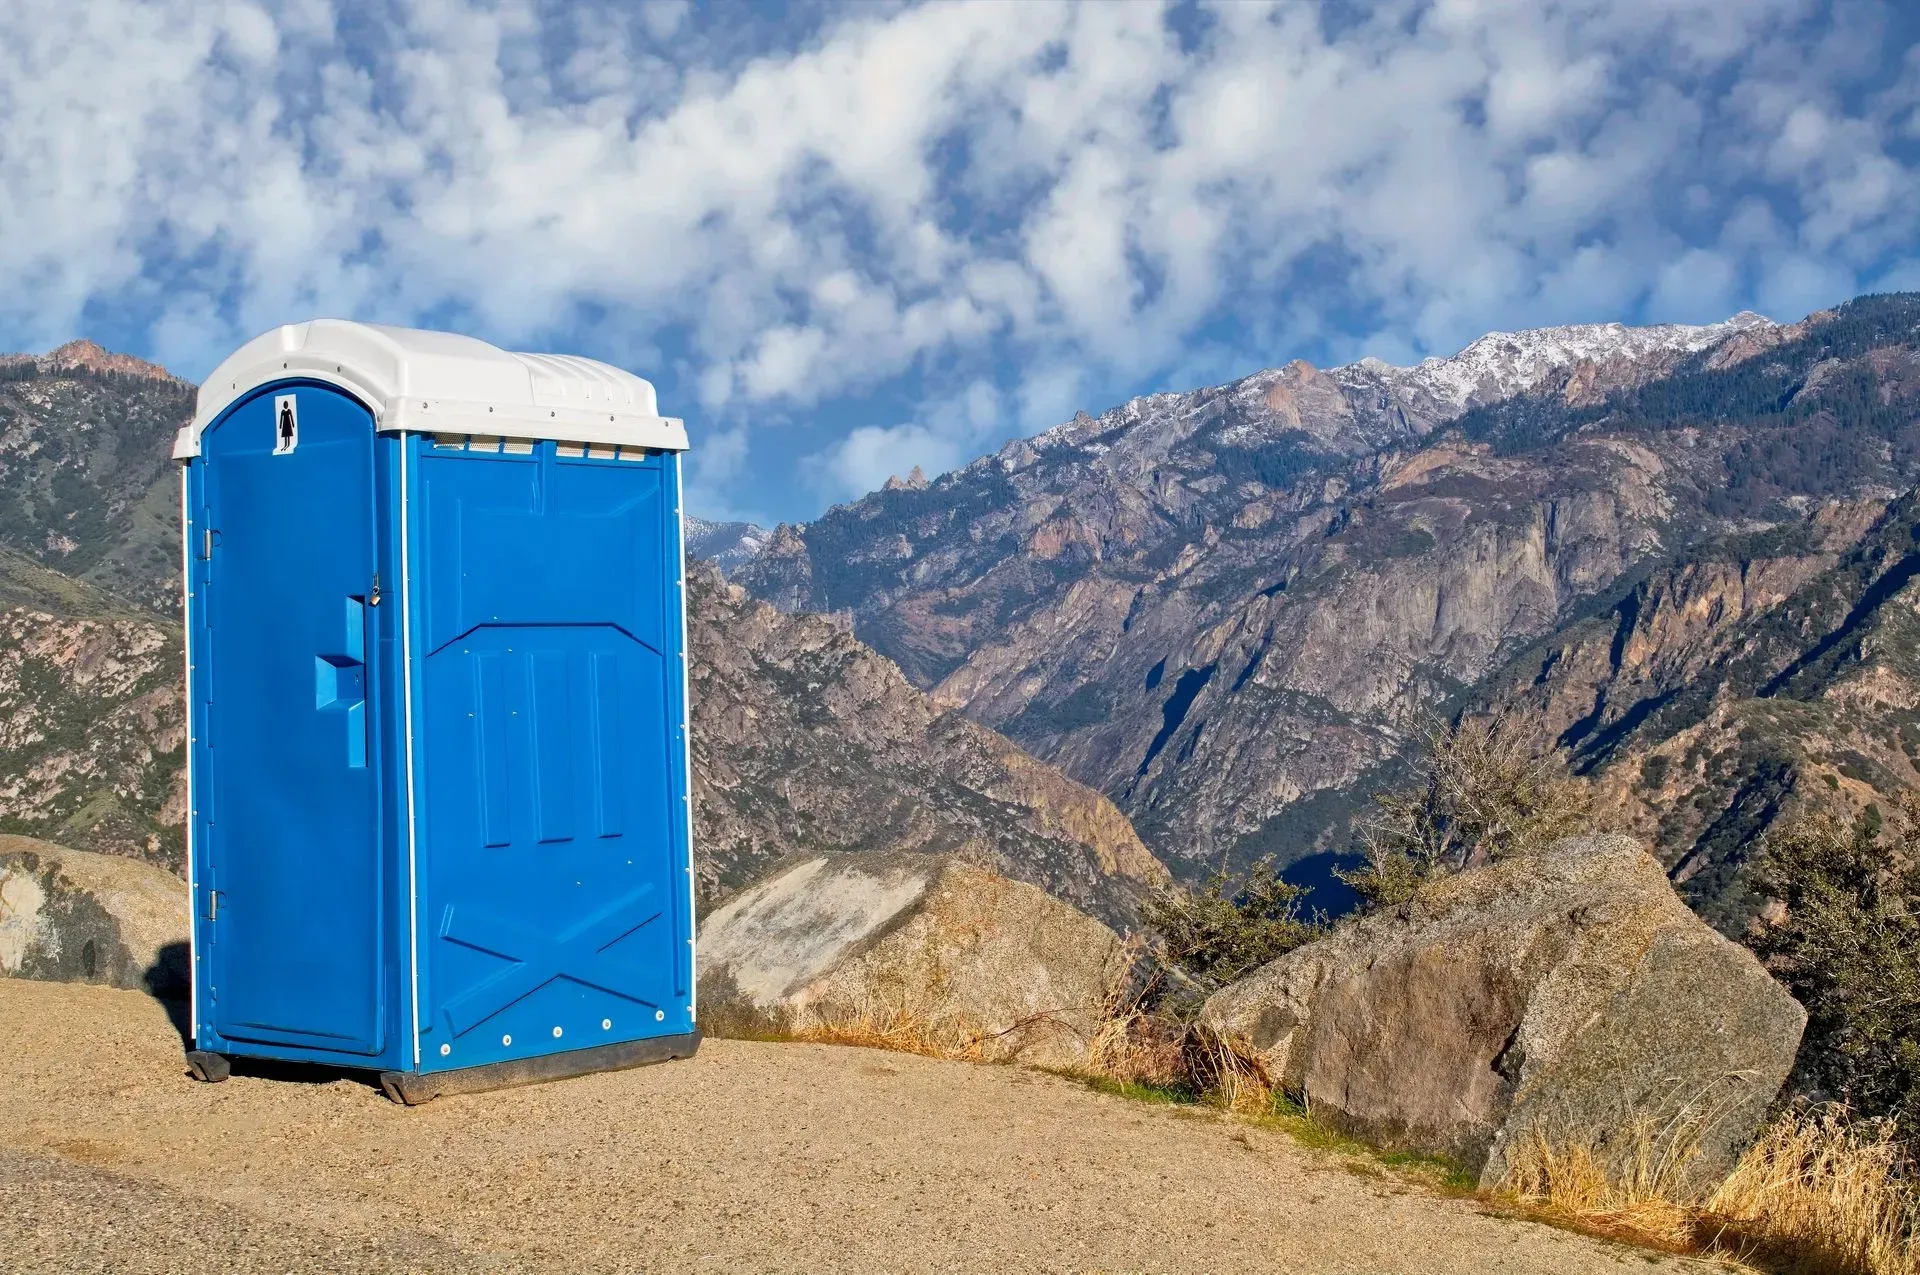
{"points": [[1227, 1070], [1815, 1195], [1132, 1048], [896, 1029], [1631, 1195]]}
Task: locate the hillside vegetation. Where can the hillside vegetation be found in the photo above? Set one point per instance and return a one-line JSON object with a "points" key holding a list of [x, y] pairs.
{"points": [[85, 484]]}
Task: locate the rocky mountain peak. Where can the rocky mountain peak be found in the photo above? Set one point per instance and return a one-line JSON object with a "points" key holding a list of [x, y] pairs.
{"points": [[1357, 408], [90, 357], [1503, 364]]}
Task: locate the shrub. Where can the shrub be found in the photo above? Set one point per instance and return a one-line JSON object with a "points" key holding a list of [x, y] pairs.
{"points": [[1225, 928], [1479, 794], [1849, 948]]}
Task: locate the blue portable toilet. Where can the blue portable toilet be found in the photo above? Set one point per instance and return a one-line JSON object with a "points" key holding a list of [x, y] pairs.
{"points": [[437, 770]]}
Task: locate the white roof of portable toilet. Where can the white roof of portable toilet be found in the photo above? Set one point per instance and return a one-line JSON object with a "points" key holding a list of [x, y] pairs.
{"points": [[439, 382]]}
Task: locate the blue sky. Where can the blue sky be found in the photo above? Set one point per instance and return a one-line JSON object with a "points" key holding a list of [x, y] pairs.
{"points": [[845, 240]]}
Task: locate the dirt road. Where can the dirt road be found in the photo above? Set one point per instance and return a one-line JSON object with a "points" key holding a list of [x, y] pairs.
{"points": [[751, 1157]]}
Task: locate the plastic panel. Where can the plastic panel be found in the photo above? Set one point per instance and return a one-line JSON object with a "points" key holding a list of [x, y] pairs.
{"points": [[554, 891]]}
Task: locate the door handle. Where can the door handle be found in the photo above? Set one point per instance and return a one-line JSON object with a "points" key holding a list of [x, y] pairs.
{"points": [[340, 681]]}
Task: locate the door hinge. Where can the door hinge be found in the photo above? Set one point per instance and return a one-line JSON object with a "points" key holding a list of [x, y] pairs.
{"points": [[206, 543], [213, 905]]}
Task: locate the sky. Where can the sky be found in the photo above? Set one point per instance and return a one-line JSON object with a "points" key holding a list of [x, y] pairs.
{"points": [[845, 240]]}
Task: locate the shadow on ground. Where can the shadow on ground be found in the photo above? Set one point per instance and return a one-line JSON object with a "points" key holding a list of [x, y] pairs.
{"points": [[167, 982]]}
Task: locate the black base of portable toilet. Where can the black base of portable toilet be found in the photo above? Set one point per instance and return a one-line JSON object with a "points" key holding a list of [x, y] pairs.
{"points": [[411, 1088]]}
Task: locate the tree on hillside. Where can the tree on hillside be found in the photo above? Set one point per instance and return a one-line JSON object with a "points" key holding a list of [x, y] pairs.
{"points": [[1479, 794], [1849, 948]]}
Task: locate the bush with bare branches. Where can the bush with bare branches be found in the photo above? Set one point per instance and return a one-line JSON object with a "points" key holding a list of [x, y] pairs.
{"points": [[1479, 794]]}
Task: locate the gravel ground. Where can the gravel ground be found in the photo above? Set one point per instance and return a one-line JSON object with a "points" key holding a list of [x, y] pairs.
{"points": [[750, 1157]]}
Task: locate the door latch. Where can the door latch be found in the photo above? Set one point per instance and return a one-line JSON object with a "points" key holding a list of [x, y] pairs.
{"points": [[373, 598]]}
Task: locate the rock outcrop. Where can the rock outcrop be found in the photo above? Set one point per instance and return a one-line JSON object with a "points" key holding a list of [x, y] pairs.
{"points": [[77, 917], [1566, 999], [920, 950], [88, 356]]}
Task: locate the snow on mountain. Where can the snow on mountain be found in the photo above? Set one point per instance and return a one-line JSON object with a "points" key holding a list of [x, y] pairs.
{"points": [[725, 544], [1360, 407], [1502, 364], [1263, 423]]}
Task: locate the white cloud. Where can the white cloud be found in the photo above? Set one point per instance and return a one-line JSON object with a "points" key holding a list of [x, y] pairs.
{"points": [[1053, 196], [950, 433], [663, 17], [1795, 285], [1696, 287], [871, 454], [712, 473], [1903, 276]]}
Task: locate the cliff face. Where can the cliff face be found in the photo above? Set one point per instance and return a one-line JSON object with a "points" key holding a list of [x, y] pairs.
{"points": [[1272, 662], [1762, 675], [1224, 609], [806, 740], [92, 733]]}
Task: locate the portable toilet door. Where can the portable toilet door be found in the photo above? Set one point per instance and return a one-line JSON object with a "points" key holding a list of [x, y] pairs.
{"points": [[439, 819]]}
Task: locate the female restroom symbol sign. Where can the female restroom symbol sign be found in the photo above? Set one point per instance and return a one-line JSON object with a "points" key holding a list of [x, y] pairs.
{"points": [[286, 424]]}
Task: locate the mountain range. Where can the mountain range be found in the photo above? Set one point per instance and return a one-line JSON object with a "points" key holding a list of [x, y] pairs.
{"points": [[1231, 609], [1680, 556]]}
